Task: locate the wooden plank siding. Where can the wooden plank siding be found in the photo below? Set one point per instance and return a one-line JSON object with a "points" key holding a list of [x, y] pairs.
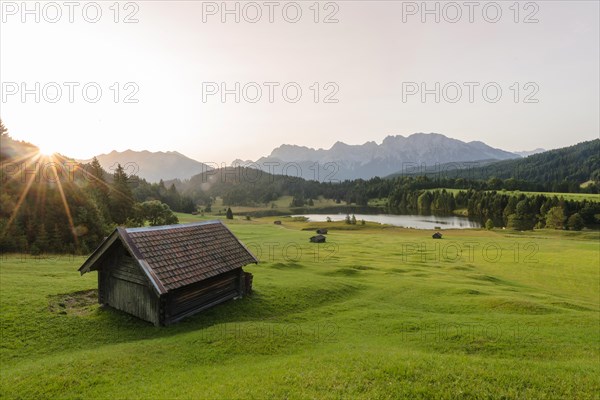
{"points": [[127, 269], [164, 274], [125, 287], [190, 299], [133, 298]]}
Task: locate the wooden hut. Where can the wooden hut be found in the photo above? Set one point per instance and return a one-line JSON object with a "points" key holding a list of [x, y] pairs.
{"points": [[317, 239], [322, 231], [163, 274], [437, 235]]}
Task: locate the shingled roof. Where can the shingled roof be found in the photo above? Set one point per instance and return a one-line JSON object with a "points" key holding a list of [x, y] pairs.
{"points": [[178, 255]]}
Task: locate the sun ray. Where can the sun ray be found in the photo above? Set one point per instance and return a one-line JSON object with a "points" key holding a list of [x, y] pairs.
{"points": [[25, 162], [91, 176], [31, 160], [33, 154], [19, 203], [65, 204]]}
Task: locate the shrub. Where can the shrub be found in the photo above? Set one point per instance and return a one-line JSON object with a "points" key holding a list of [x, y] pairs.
{"points": [[575, 222], [555, 218]]}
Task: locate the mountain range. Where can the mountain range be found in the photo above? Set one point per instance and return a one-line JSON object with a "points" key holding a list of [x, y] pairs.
{"points": [[152, 166], [340, 162], [530, 152], [395, 153]]}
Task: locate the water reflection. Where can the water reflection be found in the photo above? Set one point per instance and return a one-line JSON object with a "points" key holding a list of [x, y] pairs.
{"points": [[407, 221]]}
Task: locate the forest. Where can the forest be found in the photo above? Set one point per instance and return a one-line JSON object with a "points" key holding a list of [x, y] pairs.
{"points": [[560, 170], [50, 204], [54, 204]]}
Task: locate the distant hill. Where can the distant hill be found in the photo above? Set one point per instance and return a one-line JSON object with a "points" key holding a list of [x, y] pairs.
{"points": [[450, 169], [343, 161], [565, 168], [11, 149], [530, 152], [577, 164], [153, 166]]}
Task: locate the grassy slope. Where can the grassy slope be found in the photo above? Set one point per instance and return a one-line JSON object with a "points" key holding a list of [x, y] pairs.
{"points": [[566, 196], [281, 204], [366, 316]]}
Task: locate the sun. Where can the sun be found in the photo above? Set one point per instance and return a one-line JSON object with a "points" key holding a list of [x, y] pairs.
{"points": [[47, 150]]}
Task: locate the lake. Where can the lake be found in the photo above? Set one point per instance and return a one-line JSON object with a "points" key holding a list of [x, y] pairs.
{"points": [[407, 221]]}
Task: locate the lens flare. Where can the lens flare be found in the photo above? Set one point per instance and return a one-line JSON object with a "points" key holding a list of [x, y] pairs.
{"points": [[47, 150]]}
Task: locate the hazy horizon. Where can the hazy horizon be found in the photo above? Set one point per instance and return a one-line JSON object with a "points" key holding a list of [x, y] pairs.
{"points": [[544, 59]]}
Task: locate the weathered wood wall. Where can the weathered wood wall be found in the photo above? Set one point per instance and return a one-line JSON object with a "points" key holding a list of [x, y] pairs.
{"points": [[133, 298], [191, 299], [125, 287]]}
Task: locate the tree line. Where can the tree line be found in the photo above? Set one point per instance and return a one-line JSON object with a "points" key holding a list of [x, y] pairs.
{"points": [[74, 213], [496, 209], [44, 209], [560, 170]]}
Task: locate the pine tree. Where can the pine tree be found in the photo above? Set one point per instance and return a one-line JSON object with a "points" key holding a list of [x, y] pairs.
{"points": [[121, 197], [173, 198], [509, 209], [97, 173], [424, 202], [56, 241], [41, 240], [229, 213], [99, 188], [3, 130]]}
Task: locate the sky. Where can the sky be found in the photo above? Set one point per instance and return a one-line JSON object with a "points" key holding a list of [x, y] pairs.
{"points": [[161, 76]]}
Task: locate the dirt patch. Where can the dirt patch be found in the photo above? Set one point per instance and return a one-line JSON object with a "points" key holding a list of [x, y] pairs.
{"points": [[75, 303]]}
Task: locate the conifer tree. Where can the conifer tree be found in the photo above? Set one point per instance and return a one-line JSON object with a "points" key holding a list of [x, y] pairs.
{"points": [[121, 197]]}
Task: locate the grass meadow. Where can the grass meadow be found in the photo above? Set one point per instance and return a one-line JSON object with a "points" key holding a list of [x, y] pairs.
{"points": [[376, 312], [566, 196]]}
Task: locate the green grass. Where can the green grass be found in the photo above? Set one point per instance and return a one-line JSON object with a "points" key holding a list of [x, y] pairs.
{"points": [[566, 196], [282, 204], [377, 312]]}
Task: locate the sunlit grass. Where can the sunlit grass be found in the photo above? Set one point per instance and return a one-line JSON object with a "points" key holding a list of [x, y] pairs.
{"points": [[377, 312], [281, 205], [566, 196]]}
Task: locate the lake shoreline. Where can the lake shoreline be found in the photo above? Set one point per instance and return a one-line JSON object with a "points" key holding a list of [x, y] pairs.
{"points": [[408, 221]]}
